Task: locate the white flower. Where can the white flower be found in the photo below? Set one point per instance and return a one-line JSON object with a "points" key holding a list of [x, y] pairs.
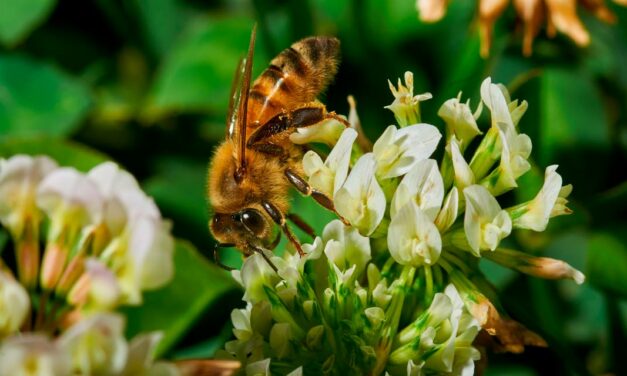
{"points": [[406, 106], [398, 150], [255, 274], [329, 176], [361, 200], [96, 344], [515, 150], [67, 195], [413, 239], [536, 213], [450, 208], [32, 355], [14, 304], [485, 224], [327, 132], [460, 121], [463, 173], [422, 184], [493, 97], [345, 247], [445, 332], [19, 178]]}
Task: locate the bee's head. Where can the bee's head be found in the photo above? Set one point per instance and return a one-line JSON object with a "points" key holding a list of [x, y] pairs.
{"points": [[243, 228]]}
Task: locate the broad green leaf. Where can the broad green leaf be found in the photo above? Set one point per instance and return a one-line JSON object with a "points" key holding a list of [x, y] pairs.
{"points": [[607, 262], [175, 308], [197, 74], [19, 17], [36, 98], [66, 153]]}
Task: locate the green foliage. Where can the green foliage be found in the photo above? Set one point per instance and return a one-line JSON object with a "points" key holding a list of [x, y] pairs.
{"points": [[18, 18], [38, 99], [146, 83]]}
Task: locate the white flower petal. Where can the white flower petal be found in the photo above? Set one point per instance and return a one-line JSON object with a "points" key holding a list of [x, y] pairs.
{"points": [[485, 224], [423, 184], [361, 200], [14, 304], [413, 239], [450, 209], [463, 173], [397, 151], [538, 211]]}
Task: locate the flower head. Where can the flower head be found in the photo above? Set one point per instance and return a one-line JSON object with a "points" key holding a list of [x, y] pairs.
{"points": [[104, 244], [398, 290]]}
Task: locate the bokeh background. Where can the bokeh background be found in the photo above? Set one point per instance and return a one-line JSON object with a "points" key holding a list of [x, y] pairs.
{"points": [[146, 83]]}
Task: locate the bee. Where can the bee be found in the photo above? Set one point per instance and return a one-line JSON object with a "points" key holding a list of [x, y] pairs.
{"points": [[252, 170]]}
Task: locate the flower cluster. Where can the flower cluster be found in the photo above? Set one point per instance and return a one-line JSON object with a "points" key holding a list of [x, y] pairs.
{"points": [[83, 245], [399, 290], [560, 15]]}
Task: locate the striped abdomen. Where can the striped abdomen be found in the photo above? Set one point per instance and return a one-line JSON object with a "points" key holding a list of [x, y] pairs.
{"points": [[296, 76]]}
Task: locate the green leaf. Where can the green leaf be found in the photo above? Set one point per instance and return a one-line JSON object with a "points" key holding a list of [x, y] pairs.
{"points": [[607, 262], [175, 308], [36, 98], [197, 74], [19, 17], [66, 153], [162, 22]]}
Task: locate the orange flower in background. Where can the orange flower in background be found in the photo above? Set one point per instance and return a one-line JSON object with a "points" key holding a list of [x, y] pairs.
{"points": [[559, 15]]}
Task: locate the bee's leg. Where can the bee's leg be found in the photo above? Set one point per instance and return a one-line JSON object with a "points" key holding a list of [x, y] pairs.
{"points": [[301, 224], [321, 198], [216, 254], [279, 219], [302, 117], [265, 257]]}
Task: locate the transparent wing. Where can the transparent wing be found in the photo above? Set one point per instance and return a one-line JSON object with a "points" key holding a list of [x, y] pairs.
{"points": [[236, 121]]}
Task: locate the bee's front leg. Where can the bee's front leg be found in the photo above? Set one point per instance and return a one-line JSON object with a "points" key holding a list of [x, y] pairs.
{"points": [[321, 198], [279, 219]]}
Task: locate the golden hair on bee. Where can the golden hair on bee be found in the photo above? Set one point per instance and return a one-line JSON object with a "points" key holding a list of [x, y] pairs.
{"points": [[252, 170]]}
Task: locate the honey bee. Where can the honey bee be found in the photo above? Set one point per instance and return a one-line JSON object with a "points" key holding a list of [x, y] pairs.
{"points": [[252, 170]]}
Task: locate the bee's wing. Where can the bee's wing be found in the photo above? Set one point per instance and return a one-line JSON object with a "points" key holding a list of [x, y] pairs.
{"points": [[236, 121]]}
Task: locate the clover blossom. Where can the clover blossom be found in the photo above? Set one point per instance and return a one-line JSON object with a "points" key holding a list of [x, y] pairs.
{"points": [[398, 290], [84, 244]]}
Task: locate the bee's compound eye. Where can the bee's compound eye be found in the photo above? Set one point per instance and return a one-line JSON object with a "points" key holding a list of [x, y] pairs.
{"points": [[253, 221]]}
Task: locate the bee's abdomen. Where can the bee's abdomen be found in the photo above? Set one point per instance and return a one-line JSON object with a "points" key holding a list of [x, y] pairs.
{"points": [[296, 76]]}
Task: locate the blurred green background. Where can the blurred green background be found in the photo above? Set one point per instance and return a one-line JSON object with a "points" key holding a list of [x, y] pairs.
{"points": [[146, 83]]}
